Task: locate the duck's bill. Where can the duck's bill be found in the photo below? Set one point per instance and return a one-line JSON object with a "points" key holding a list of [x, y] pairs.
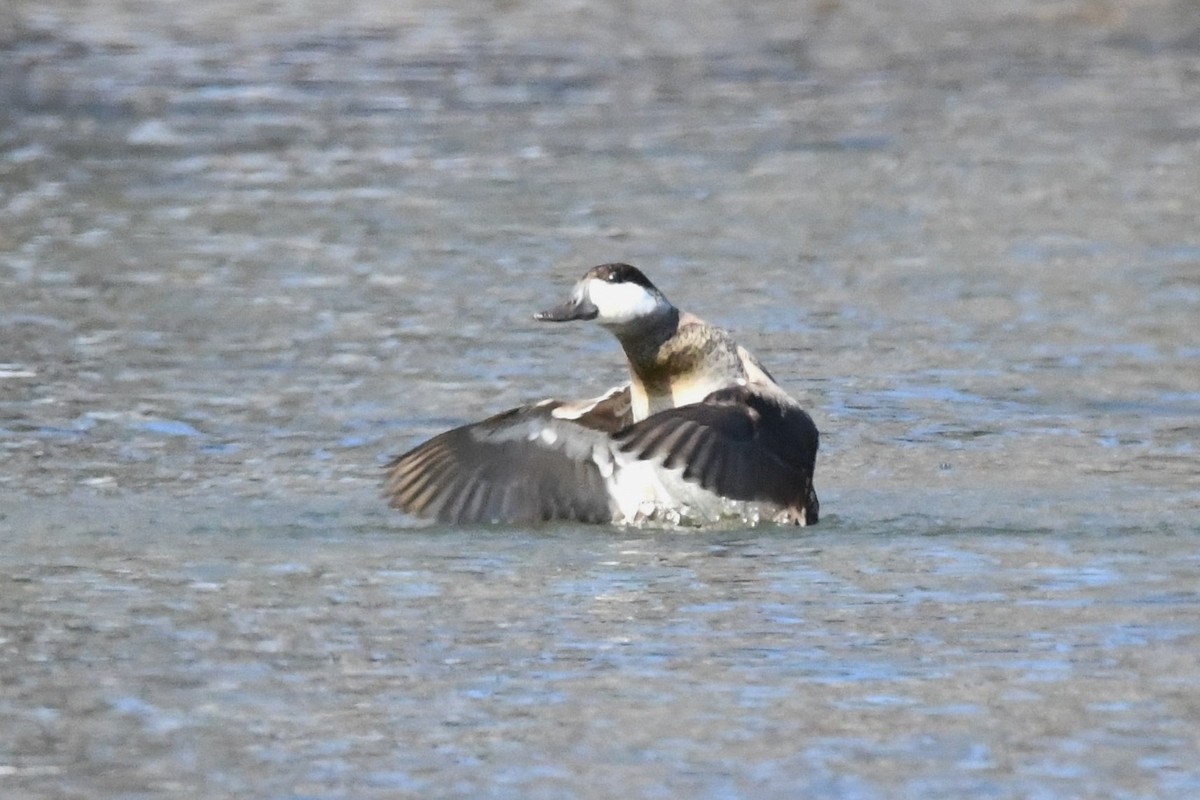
{"points": [[566, 312]]}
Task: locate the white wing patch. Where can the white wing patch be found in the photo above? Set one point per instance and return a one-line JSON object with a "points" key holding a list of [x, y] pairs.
{"points": [[646, 493], [579, 408], [603, 459]]}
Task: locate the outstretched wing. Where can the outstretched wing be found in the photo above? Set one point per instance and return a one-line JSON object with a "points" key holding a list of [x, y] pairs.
{"points": [[538, 462], [738, 443]]}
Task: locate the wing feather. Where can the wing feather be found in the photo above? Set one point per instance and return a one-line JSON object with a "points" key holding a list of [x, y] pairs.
{"points": [[526, 464], [684, 445], [738, 443]]}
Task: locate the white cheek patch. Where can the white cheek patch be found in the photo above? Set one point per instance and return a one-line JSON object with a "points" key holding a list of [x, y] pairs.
{"points": [[620, 302]]}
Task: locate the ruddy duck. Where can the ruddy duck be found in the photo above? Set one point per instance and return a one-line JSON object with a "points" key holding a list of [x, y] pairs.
{"points": [[700, 433]]}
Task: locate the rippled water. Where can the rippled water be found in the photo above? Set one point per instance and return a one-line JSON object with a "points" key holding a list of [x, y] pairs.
{"points": [[246, 255]]}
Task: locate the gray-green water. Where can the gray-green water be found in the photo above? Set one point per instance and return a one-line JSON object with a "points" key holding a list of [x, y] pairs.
{"points": [[246, 255]]}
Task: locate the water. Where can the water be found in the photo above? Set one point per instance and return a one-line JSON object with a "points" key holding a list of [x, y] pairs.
{"points": [[248, 255]]}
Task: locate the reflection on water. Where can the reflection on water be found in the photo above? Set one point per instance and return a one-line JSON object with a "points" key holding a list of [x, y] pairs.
{"points": [[248, 254]]}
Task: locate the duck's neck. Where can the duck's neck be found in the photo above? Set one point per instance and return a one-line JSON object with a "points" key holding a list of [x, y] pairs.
{"points": [[645, 339], [675, 359]]}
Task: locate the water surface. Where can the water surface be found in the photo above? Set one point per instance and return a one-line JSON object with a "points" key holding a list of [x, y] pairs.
{"points": [[248, 255]]}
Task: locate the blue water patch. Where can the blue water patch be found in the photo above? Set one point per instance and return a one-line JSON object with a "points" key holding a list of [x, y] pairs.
{"points": [[1175, 254], [1047, 248], [358, 441], [166, 427], [52, 432], [846, 144]]}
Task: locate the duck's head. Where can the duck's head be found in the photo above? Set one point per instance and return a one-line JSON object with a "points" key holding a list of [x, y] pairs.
{"points": [[616, 296]]}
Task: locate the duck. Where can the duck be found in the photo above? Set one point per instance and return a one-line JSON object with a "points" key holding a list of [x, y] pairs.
{"points": [[700, 434]]}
